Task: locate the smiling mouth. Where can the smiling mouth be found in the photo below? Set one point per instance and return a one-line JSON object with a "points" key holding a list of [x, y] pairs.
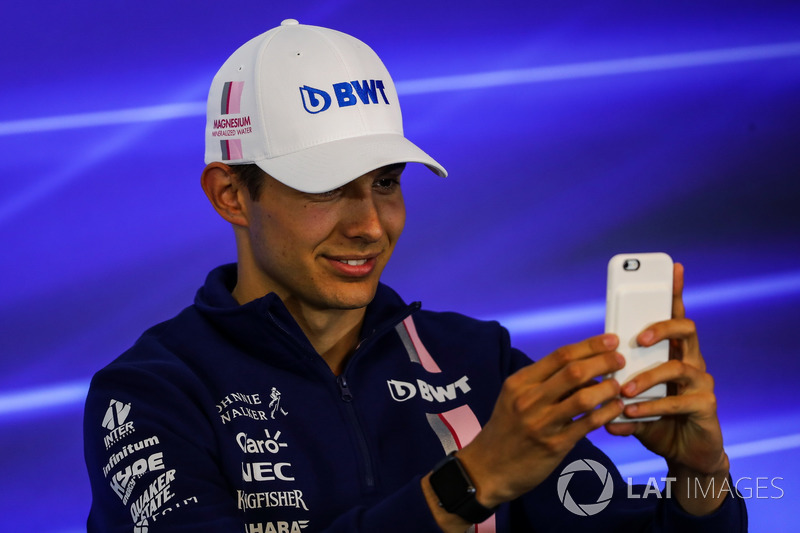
{"points": [[353, 262]]}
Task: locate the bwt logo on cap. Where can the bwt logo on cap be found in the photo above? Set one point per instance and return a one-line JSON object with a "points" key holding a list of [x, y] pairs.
{"points": [[347, 93]]}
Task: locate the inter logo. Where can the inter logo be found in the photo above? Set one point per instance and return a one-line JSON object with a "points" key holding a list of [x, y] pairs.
{"points": [[116, 414], [347, 93]]}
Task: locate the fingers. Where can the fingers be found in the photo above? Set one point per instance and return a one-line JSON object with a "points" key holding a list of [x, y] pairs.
{"points": [[681, 330], [622, 429], [571, 381], [566, 373], [594, 419], [583, 402], [674, 371], [698, 405], [697, 391], [557, 427], [678, 310], [542, 411], [676, 328], [586, 399], [549, 365], [556, 398], [547, 404]]}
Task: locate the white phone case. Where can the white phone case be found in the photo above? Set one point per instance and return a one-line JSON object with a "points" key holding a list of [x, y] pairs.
{"points": [[639, 294]]}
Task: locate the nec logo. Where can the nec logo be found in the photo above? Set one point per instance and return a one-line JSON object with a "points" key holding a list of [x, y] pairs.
{"points": [[347, 93]]}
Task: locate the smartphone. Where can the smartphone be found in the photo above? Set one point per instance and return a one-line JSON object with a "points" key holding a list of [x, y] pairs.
{"points": [[638, 294]]}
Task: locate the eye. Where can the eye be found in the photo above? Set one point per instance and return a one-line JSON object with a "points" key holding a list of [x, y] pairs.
{"points": [[387, 183]]}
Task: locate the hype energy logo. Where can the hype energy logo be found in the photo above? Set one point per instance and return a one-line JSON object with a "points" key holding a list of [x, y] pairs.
{"points": [[585, 509], [347, 93]]}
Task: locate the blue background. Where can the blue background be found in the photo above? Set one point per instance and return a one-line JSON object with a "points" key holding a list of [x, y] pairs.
{"points": [[571, 132]]}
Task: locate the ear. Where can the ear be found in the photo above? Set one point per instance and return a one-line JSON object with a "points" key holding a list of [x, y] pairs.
{"points": [[225, 193]]}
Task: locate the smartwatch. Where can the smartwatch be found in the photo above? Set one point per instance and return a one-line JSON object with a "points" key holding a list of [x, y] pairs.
{"points": [[456, 492]]}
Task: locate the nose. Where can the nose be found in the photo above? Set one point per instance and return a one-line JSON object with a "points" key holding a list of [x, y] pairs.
{"points": [[361, 218]]}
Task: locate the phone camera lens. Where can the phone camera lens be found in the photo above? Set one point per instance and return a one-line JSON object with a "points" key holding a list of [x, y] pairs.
{"points": [[631, 265]]}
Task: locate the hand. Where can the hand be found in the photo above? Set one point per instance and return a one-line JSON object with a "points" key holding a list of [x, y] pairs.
{"points": [[688, 435], [543, 410]]}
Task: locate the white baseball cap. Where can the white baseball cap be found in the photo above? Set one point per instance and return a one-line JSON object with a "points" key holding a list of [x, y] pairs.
{"points": [[312, 107]]}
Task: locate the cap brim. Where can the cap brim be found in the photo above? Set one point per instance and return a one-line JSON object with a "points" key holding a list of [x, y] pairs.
{"points": [[330, 165]]}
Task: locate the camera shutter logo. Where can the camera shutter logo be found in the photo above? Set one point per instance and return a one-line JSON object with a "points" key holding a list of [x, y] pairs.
{"points": [[586, 509]]}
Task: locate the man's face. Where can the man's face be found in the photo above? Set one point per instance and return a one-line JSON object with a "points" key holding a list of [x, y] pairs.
{"points": [[328, 250]]}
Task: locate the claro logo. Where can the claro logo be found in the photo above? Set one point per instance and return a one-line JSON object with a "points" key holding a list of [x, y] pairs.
{"points": [[347, 93], [403, 390]]}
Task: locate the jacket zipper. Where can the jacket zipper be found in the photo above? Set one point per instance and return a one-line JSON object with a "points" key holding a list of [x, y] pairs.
{"points": [[347, 396], [363, 448]]}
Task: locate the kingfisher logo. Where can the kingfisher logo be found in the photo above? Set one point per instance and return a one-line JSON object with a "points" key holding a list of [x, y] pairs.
{"points": [[347, 93]]}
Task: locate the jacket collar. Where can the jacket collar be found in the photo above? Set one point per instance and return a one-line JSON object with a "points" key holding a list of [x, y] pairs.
{"points": [[255, 323]]}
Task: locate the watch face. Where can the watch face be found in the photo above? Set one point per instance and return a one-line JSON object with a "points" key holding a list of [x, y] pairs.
{"points": [[451, 484], [455, 491]]}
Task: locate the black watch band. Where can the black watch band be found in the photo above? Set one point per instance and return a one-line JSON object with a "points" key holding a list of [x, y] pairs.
{"points": [[456, 492]]}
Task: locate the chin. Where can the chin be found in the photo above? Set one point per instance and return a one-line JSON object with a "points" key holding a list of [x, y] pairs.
{"points": [[353, 297]]}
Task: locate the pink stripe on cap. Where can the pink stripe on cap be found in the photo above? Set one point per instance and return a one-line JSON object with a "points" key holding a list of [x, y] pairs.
{"points": [[234, 149], [235, 98], [424, 357]]}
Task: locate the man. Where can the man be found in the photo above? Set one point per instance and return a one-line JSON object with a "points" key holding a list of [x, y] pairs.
{"points": [[299, 393]]}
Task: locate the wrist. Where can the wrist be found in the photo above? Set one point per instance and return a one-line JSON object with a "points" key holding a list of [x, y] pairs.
{"points": [[720, 468], [456, 492], [491, 489], [701, 492]]}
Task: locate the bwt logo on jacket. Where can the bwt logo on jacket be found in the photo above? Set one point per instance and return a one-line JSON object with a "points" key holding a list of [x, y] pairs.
{"points": [[403, 390], [348, 93]]}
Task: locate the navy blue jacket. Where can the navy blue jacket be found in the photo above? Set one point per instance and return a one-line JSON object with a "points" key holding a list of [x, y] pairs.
{"points": [[225, 419]]}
